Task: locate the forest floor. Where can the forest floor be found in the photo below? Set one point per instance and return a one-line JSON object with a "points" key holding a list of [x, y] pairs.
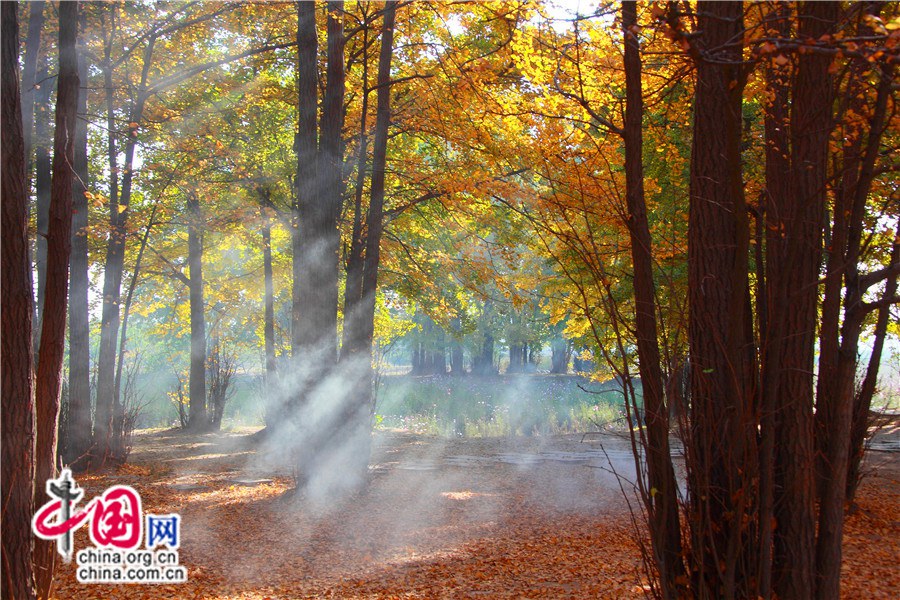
{"points": [[529, 517]]}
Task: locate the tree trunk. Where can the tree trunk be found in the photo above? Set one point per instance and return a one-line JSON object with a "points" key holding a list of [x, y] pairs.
{"points": [[483, 364], [16, 313], [350, 341], [114, 264], [197, 419], [560, 354], [59, 243], [362, 407], [515, 358], [771, 294], [456, 359], [79, 408], [29, 78], [305, 143], [42, 141], [863, 401], [796, 183], [662, 506], [837, 253], [269, 301], [721, 450]]}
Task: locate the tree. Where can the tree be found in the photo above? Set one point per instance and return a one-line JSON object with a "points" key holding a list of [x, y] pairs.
{"points": [[197, 385], [78, 427], [17, 310], [59, 241], [662, 506]]}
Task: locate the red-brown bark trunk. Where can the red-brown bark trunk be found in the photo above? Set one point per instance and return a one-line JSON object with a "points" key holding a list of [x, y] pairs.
{"points": [[16, 312]]}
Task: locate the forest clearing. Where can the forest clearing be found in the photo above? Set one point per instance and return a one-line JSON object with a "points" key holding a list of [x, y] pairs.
{"points": [[352, 298], [440, 518]]}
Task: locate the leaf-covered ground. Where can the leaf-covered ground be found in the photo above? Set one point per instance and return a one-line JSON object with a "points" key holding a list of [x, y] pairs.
{"points": [[473, 518]]}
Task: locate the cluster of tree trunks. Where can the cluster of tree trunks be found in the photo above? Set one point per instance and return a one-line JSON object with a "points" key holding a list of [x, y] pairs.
{"points": [[751, 433], [31, 410]]}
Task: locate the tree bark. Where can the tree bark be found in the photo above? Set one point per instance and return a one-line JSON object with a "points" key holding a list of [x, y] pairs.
{"points": [[355, 255], [722, 443], [42, 183], [114, 264], [772, 294], [662, 506], [560, 354], [29, 76], [320, 200], [862, 403], [269, 301], [305, 143], [16, 313], [197, 419], [59, 243], [79, 408], [362, 406]]}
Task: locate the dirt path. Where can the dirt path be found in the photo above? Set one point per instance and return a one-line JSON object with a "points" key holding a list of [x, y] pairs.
{"points": [[467, 518]]}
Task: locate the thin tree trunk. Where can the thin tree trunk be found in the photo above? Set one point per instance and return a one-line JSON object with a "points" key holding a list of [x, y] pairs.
{"points": [[79, 408], [42, 176], [16, 313], [29, 70], [330, 176], [59, 243], [118, 445], [197, 418], [662, 506], [355, 256], [107, 402], [361, 405], [843, 267], [863, 401], [821, 20], [269, 301]]}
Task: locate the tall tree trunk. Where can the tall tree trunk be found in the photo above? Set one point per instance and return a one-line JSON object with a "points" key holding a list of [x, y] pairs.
{"points": [[355, 255], [79, 408], [330, 175], [16, 313], [59, 243], [29, 75], [796, 170], [375, 217], [772, 294], [319, 195], [197, 418], [723, 433], [838, 354], [269, 301], [305, 143], [662, 506], [119, 443], [114, 264], [361, 406], [42, 141]]}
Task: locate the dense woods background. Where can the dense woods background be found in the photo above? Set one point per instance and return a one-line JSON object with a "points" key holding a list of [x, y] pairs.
{"points": [[695, 201]]}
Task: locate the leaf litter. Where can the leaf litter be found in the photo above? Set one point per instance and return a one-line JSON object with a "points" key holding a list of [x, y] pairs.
{"points": [[488, 518]]}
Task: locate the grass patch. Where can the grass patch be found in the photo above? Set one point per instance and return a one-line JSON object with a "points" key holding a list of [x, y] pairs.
{"points": [[496, 406]]}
